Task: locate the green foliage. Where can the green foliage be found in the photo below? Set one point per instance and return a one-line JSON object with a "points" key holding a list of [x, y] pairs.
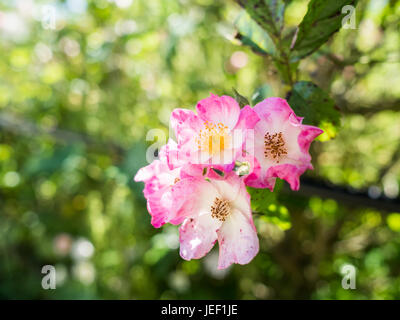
{"points": [[393, 221], [268, 14], [278, 215], [252, 35], [323, 19], [315, 105], [266, 203], [261, 93], [261, 199], [241, 100], [86, 95]]}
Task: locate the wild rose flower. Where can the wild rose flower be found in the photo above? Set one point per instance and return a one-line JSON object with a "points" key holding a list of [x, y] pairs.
{"points": [[216, 208], [159, 179], [215, 136], [281, 144], [181, 188]]}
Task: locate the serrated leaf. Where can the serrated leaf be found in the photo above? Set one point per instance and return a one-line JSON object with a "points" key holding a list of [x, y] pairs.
{"points": [[315, 105], [323, 18], [261, 93], [241, 100], [268, 14], [252, 35]]}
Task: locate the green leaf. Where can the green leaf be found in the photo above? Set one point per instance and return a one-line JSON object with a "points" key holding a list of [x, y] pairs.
{"points": [[261, 93], [241, 100], [261, 199], [323, 18], [311, 102], [265, 202], [252, 35], [268, 14]]}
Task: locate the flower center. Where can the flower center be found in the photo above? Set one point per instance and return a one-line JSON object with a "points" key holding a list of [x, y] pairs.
{"points": [[213, 138], [274, 146], [220, 209]]}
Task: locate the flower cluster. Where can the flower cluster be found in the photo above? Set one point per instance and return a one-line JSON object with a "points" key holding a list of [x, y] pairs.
{"points": [[196, 182]]}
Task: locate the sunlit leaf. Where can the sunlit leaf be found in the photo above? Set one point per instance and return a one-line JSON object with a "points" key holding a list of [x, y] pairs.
{"points": [[261, 93], [241, 100], [323, 18], [261, 199], [315, 105], [252, 35], [268, 14]]}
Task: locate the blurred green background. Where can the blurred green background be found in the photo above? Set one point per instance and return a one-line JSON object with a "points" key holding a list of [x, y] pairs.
{"points": [[79, 92]]}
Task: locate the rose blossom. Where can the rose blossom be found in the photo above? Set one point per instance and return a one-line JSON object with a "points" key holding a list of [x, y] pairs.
{"points": [[158, 179], [216, 208], [281, 144], [215, 136]]}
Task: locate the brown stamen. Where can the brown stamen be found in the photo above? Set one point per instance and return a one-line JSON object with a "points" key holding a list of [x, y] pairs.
{"points": [[220, 209], [274, 146]]}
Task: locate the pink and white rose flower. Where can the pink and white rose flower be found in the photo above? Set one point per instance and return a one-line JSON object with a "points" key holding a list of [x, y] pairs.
{"points": [[281, 145], [216, 134], [216, 209], [183, 187], [159, 179]]}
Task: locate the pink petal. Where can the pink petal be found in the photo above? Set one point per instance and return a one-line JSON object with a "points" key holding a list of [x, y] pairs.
{"points": [[161, 208], [238, 241], [275, 107], [247, 119], [156, 176], [224, 167], [183, 118], [307, 135], [193, 196], [158, 179], [197, 236], [192, 170], [147, 172], [290, 173], [217, 109], [170, 153], [255, 180], [185, 124], [228, 187]]}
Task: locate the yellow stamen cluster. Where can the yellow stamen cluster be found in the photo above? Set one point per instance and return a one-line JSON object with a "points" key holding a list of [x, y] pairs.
{"points": [[274, 146], [213, 138], [220, 209]]}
